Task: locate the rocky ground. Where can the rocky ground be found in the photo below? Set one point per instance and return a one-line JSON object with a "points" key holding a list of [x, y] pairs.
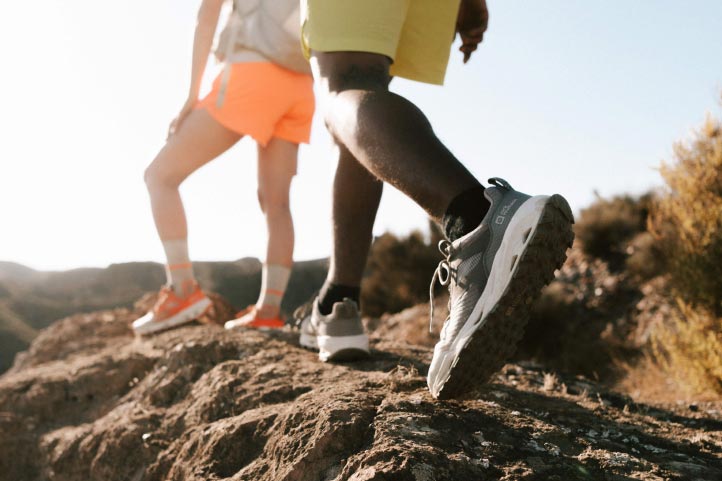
{"points": [[90, 402]]}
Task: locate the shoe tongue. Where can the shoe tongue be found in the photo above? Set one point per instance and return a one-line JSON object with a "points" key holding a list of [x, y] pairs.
{"points": [[346, 308], [493, 194]]}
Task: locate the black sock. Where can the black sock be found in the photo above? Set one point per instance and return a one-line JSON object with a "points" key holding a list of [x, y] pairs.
{"points": [[465, 213], [333, 293]]}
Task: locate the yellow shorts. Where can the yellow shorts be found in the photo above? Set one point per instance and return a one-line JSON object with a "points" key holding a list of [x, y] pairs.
{"points": [[416, 34]]}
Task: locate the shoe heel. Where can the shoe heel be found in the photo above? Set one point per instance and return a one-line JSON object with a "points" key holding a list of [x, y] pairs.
{"points": [[343, 348]]}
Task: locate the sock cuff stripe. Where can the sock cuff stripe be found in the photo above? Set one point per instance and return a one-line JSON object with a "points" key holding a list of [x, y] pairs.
{"points": [[275, 292], [177, 267]]}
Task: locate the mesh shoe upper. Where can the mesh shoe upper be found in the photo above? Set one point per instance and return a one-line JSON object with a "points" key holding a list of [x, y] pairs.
{"points": [[344, 320], [468, 260], [170, 304]]}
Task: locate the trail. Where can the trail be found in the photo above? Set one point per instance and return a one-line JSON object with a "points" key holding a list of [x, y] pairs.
{"points": [[90, 402]]}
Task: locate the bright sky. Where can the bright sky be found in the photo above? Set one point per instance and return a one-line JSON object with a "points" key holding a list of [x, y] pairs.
{"points": [[563, 96]]}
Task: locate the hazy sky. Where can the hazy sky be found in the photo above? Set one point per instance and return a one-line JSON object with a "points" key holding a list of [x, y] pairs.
{"points": [[564, 96]]}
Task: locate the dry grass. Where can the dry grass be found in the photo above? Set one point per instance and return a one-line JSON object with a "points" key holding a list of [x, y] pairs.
{"points": [[686, 221], [687, 218], [689, 347]]}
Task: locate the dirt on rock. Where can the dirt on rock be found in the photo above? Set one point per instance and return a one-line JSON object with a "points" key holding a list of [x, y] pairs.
{"points": [[89, 401]]}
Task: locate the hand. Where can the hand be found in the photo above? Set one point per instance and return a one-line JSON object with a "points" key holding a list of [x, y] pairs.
{"points": [[178, 120], [471, 23]]}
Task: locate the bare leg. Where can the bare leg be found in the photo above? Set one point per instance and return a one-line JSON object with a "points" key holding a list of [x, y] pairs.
{"points": [[199, 140], [276, 167], [356, 197], [386, 133]]}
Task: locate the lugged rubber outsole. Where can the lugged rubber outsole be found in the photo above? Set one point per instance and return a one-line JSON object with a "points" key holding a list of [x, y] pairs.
{"points": [[488, 349], [348, 355], [342, 348]]}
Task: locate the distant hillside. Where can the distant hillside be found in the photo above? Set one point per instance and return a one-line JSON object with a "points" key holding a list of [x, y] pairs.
{"points": [[16, 272], [31, 300], [15, 335]]}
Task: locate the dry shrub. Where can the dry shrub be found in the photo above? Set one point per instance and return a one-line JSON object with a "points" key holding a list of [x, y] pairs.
{"points": [[689, 347], [687, 219], [645, 260], [605, 228], [687, 222], [400, 269]]}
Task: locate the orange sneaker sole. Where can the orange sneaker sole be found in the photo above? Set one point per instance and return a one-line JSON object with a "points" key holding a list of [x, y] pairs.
{"points": [[266, 323]]}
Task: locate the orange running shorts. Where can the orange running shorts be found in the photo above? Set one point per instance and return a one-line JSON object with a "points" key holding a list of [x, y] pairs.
{"points": [[264, 101]]}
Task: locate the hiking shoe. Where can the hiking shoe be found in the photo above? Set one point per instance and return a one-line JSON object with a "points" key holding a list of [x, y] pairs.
{"points": [[171, 310], [250, 318], [339, 336], [304, 311], [493, 274]]}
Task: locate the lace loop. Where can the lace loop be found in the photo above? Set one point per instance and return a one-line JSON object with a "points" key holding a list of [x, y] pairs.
{"points": [[499, 182], [442, 274]]}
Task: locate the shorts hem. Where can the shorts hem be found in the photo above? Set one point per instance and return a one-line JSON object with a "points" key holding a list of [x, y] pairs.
{"points": [[293, 139], [380, 48], [262, 140], [433, 78], [351, 45]]}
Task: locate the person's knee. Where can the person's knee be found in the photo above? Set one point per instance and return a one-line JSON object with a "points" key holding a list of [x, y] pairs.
{"points": [[343, 71], [274, 202], [362, 78], [156, 176]]}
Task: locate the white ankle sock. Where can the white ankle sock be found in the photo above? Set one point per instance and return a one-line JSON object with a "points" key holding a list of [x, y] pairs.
{"points": [[178, 267], [274, 281]]}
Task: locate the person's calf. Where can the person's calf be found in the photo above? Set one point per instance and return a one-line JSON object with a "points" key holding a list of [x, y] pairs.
{"points": [[387, 134]]}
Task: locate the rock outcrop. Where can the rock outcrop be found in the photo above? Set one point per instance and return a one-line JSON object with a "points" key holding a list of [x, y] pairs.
{"points": [[89, 401], [31, 300]]}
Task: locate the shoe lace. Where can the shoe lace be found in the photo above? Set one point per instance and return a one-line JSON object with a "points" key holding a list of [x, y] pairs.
{"points": [[442, 275], [163, 296], [304, 310]]}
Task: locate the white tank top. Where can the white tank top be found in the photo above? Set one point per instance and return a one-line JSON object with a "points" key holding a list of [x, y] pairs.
{"points": [[260, 30]]}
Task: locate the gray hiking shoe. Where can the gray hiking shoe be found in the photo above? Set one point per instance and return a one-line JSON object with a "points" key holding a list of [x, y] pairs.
{"points": [[493, 274], [339, 336]]}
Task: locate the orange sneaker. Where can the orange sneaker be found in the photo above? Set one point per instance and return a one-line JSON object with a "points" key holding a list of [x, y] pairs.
{"points": [[171, 310], [250, 317]]}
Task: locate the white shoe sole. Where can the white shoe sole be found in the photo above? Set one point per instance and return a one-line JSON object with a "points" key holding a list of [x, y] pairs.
{"points": [[145, 325], [308, 341], [337, 348], [518, 237]]}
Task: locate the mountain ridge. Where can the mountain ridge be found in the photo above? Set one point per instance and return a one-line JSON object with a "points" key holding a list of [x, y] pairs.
{"points": [[31, 300]]}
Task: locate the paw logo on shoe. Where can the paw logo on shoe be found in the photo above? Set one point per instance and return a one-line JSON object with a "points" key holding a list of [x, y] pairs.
{"points": [[501, 218]]}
